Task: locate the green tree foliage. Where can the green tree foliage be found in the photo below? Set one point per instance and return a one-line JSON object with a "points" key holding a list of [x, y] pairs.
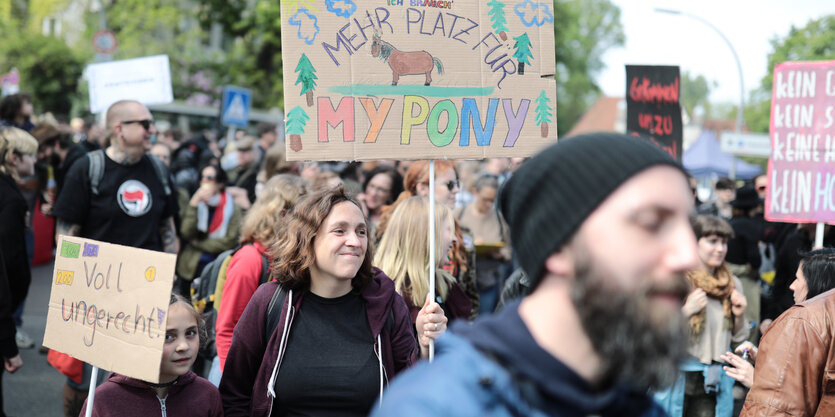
{"points": [[49, 69], [296, 121], [695, 91], [254, 57], [307, 74], [543, 108], [523, 49], [584, 31], [813, 42], [497, 16]]}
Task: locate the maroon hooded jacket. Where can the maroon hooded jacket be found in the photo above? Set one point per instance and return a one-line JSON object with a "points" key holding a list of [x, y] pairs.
{"points": [[249, 365], [122, 396]]}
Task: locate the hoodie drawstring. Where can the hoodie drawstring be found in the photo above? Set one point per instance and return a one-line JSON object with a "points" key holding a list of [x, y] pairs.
{"points": [[380, 359], [282, 345]]}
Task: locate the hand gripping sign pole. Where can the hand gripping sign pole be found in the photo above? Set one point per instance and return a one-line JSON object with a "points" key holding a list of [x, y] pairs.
{"points": [[431, 246], [91, 393]]}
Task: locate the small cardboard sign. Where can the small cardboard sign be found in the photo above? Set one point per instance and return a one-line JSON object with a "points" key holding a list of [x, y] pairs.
{"points": [[109, 305], [801, 170], [146, 80], [652, 106], [418, 79]]}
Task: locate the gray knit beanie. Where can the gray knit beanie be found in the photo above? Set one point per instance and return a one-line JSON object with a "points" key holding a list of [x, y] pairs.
{"points": [[553, 193]]}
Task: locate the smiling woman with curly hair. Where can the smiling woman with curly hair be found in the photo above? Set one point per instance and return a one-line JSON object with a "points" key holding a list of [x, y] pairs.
{"points": [[341, 331]]}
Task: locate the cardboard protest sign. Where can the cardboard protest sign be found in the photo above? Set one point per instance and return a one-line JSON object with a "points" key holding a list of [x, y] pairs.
{"points": [[417, 79], [146, 80], [109, 305], [652, 106], [801, 170]]}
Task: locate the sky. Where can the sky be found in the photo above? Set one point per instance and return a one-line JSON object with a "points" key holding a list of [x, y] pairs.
{"points": [[663, 39]]}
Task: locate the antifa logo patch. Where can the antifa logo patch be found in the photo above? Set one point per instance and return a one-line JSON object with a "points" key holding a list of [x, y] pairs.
{"points": [[134, 198]]}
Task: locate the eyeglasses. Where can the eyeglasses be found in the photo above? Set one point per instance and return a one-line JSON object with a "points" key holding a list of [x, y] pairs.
{"points": [[451, 184], [208, 177], [146, 123], [761, 188]]}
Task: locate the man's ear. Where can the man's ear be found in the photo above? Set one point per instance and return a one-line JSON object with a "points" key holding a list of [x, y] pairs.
{"points": [[561, 263]]}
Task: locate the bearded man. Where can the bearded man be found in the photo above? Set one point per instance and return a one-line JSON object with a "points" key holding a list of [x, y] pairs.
{"points": [[600, 223]]}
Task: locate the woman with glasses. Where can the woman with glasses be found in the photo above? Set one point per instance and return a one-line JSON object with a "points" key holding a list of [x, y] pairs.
{"points": [[382, 185], [211, 224], [461, 263], [491, 238]]}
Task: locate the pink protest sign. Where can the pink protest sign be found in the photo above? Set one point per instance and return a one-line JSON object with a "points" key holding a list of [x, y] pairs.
{"points": [[801, 170]]}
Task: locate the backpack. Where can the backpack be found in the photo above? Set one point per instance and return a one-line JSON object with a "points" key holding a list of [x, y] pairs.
{"points": [[207, 291], [96, 171]]}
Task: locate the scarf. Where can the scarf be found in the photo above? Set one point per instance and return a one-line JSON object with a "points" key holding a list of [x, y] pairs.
{"points": [[719, 286], [220, 219]]}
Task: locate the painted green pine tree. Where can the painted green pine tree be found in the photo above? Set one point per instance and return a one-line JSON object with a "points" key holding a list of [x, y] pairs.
{"points": [[307, 78], [296, 122], [543, 113], [523, 52], [496, 14]]}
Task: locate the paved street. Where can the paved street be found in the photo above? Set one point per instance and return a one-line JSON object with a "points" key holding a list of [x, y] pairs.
{"points": [[35, 390]]}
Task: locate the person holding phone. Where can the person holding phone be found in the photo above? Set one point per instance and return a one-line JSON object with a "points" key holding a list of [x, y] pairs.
{"points": [[797, 353], [815, 275]]}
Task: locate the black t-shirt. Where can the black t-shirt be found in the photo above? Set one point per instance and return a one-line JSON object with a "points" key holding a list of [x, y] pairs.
{"points": [[128, 210], [329, 367]]}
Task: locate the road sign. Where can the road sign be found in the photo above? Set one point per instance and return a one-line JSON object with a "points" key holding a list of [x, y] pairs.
{"points": [[749, 144], [236, 105], [104, 42], [10, 82]]}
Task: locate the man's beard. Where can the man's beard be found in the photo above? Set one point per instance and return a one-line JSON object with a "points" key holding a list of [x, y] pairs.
{"points": [[638, 347]]}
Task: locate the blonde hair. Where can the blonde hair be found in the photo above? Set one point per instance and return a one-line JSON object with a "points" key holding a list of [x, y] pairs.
{"points": [[403, 253], [278, 197], [14, 141]]}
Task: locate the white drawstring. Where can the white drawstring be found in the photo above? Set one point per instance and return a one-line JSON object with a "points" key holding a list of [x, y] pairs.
{"points": [[282, 345], [380, 358]]}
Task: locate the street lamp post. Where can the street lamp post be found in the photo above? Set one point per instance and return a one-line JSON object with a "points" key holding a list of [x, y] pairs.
{"points": [[739, 110]]}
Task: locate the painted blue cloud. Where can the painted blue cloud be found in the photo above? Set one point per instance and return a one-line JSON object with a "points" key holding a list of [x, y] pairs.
{"points": [[534, 13], [344, 8], [308, 25]]}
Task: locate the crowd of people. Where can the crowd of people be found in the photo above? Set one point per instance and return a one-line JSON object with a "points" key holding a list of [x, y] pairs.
{"points": [[586, 280]]}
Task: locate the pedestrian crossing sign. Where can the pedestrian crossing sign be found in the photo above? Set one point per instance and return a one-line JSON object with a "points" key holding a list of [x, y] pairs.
{"points": [[236, 104]]}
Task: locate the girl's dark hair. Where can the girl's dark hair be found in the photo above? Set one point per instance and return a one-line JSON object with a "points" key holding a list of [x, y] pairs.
{"points": [[818, 267], [201, 324], [707, 225], [396, 180]]}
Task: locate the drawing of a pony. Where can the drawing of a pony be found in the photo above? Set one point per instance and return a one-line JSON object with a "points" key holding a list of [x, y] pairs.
{"points": [[405, 63]]}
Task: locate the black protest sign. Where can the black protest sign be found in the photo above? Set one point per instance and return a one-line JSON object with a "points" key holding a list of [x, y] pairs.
{"points": [[652, 106]]}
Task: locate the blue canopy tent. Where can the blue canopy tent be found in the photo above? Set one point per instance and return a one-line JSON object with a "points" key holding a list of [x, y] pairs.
{"points": [[704, 158]]}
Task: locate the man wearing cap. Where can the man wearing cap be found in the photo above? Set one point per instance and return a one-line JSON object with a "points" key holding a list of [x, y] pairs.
{"points": [[600, 223]]}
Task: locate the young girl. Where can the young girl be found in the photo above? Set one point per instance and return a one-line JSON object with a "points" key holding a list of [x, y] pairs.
{"points": [[180, 391]]}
